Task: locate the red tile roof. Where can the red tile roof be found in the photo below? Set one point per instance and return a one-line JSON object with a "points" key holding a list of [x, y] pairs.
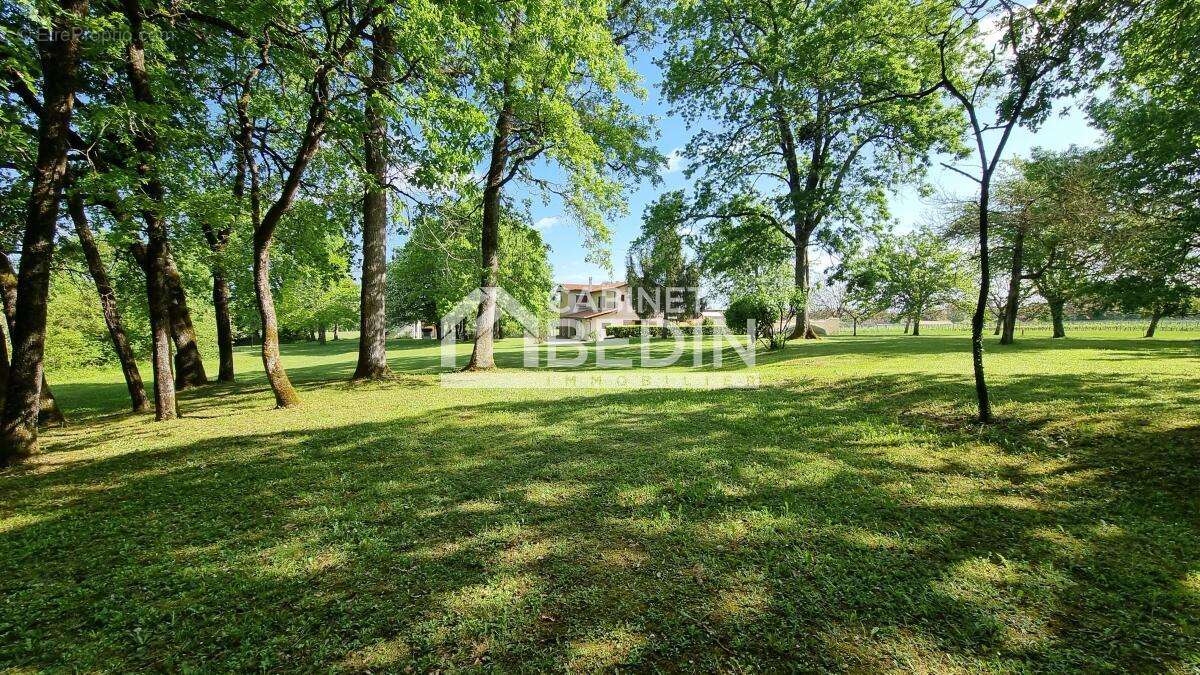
{"points": [[587, 314], [592, 287]]}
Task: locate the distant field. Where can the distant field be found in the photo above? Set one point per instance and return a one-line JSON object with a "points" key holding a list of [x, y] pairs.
{"points": [[847, 515], [1122, 327]]}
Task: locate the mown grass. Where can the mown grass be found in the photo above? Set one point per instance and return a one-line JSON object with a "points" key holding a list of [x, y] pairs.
{"points": [[846, 515]]}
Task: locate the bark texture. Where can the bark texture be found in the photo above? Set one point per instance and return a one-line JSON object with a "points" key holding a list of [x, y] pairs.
{"points": [[1056, 317], [49, 413], [158, 293], [108, 305], [977, 319], [59, 57], [1153, 324], [189, 366], [482, 355], [372, 338]]}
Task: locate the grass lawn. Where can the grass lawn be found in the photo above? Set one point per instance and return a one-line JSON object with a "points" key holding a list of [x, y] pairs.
{"points": [[845, 515]]}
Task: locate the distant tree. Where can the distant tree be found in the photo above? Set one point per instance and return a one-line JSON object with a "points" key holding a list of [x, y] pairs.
{"points": [[658, 263], [1153, 271], [772, 301], [435, 268], [800, 138], [854, 296], [912, 273]]}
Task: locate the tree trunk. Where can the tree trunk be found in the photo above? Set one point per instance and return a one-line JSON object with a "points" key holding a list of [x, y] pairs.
{"points": [[189, 367], [157, 290], [224, 324], [999, 324], [855, 326], [1153, 323], [321, 334], [285, 394], [1056, 317], [482, 356], [977, 319], [59, 56], [907, 324], [1014, 289], [335, 333], [372, 337], [916, 324], [108, 305], [48, 411], [217, 240]]}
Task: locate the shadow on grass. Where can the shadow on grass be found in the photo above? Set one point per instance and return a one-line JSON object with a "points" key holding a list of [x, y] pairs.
{"points": [[853, 525]]}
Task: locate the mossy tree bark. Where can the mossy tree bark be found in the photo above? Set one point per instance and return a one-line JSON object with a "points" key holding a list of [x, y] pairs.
{"points": [[372, 337], [59, 56]]}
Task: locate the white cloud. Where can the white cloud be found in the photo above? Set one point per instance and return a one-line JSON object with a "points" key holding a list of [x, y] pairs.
{"points": [[547, 222], [674, 160]]}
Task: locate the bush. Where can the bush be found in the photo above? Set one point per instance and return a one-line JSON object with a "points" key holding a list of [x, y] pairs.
{"points": [[749, 308], [635, 332]]}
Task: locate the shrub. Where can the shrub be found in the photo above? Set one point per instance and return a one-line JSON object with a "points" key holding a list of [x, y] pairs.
{"points": [[635, 332]]}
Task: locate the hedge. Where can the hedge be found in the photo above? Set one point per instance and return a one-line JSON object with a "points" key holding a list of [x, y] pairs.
{"points": [[619, 332]]}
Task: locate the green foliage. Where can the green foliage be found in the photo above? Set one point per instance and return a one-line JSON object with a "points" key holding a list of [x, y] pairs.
{"points": [[657, 263], [310, 305], [556, 71], [76, 334], [799, 150], [911, 273], [437, 265], [772, 303]]}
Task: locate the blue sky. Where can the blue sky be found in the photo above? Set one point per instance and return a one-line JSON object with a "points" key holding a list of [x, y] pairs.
{"points": [[567, 255]]}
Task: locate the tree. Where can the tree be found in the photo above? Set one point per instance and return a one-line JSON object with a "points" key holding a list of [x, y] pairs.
{"points": [[372, 335], [59, 55], [912, 273], [312, 105], [853, 296], [802, 146], [435, 268], [1152, 270], [108, 302], [549, 77], [1018, 77], [1153, 158], [771, 301], [658, 265]]}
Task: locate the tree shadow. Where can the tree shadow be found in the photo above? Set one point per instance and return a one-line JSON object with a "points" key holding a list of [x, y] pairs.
{"points": [[850, 525]]}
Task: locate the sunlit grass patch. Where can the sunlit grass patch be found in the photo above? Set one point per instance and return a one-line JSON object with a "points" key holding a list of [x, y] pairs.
{"points": [[847, 515]]}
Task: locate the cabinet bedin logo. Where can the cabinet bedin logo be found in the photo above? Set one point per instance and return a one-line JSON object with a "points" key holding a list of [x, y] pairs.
{"points": [[567, 364]]}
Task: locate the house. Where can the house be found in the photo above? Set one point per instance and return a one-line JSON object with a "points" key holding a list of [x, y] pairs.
{"points": [[585, 309]]}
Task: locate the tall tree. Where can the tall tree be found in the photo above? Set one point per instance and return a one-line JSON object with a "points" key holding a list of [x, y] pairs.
{"points": [[912, 273], [108, 303], [659, 264], [1033, 54], [549, 77], [802, 146], [152, 208], [372, 335], [58, 52]]}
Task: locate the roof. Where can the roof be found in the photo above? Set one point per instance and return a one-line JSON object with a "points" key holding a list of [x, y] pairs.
{"points": [[570, 286], [586, 314]]}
